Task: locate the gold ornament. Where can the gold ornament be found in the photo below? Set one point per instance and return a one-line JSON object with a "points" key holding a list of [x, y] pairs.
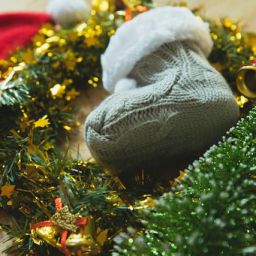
{"points": [[7, 190], [65, 219], [80, 243], [83, 242], [47, 234], [68, 232], [246, 81]]}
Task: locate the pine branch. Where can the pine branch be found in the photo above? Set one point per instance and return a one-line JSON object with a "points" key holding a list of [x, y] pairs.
{"points": [[12, 93], [212, 210], [84, 187]]}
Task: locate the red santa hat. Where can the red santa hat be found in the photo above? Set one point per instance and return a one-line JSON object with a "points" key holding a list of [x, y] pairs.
{"points": [[17, 29]]}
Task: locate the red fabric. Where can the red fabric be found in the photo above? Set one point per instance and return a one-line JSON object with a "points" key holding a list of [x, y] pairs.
{"points": [[82, 221], [41, 224], [17, 29], [58, 204], [64, 233]]}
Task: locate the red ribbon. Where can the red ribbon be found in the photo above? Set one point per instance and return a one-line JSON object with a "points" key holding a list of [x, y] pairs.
{"points": [[41, 224], [64, 233]]}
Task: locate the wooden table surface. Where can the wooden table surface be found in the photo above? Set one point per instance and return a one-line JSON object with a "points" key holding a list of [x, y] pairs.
{"points": [[242, 10]]}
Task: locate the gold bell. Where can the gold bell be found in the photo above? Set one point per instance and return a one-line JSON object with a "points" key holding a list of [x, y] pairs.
{"points": [[246, 81], [83, 241], [49, 235]]}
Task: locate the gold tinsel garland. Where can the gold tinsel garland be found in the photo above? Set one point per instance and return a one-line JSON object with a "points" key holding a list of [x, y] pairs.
{"points": [[54, 68]]}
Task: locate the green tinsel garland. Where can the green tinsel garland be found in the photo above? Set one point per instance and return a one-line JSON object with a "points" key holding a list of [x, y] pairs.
{"points": [[211, 210]]}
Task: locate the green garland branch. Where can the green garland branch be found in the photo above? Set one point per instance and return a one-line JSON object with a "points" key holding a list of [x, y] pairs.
{"points": [[212, 209], [84, 188], [36, 107], [40, 86]]}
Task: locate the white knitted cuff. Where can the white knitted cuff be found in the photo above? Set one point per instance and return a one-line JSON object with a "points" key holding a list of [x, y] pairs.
{"points": [[125, 84], [144, 34]]}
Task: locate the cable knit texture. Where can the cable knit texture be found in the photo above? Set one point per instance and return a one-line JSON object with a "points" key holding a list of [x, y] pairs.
{"points": [[181, 105], [144, 34]]}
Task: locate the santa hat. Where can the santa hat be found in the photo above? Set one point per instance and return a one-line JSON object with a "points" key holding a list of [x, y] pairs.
{"points": [[17, 29], [143, 35]]}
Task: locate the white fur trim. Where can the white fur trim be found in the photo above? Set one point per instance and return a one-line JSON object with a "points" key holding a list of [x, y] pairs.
{"points": [[146, 33], [125, 84], [67, 12]]}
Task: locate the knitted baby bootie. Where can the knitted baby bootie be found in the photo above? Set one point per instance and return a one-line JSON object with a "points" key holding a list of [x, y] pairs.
{"points": [[168, 101]]}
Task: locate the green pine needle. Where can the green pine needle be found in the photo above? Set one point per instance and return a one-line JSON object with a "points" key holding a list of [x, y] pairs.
{"points": [[12, 93], [213, 210]]}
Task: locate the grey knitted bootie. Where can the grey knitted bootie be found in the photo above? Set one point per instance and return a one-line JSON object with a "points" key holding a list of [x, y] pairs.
{"points": [[174, 103]]}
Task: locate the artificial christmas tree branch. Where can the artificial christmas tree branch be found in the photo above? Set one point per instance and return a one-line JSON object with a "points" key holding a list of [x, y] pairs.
{"points": [[211, 209]]}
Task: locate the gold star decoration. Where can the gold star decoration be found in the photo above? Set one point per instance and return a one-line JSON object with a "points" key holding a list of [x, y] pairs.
{"points": [[58, 91], [91, 41], [72, 94], [241, 101], [7, 190], [65, 219], [42, 122]]}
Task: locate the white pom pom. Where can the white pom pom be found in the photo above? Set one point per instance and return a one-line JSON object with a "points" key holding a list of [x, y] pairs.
{"points": [[68, 12], [125, 84]]}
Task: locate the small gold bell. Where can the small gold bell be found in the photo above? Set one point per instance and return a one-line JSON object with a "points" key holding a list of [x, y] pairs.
{"points": [[49, 235], [246, 81], [83, 242]]}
